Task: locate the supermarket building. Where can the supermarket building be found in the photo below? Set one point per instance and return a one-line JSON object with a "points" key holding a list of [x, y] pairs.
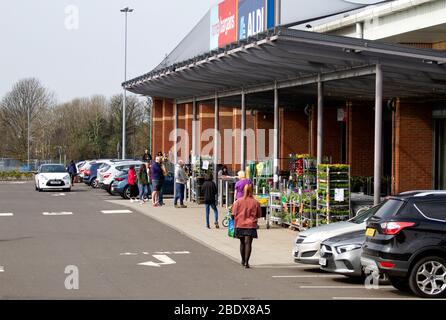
{"points": [[366, 87]]}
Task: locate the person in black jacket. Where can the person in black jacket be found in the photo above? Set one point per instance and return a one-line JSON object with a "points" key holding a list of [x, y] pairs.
{"points": [[209, 190], [147, 157]]}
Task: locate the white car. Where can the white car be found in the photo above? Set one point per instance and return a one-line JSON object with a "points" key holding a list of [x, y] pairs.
{"points": [[51, 177], [307, 244], [109, 175]]}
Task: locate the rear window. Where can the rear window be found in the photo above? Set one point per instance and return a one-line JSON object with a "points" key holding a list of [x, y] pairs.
{"points": [[389, 208], [432, 209], [105, 167]]}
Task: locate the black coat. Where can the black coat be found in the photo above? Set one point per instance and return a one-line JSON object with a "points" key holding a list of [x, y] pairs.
{"points": [[209, 190]]}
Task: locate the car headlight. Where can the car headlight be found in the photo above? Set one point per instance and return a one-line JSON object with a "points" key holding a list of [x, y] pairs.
{"points": [[43, 177], [67, 177], [348, 247]]}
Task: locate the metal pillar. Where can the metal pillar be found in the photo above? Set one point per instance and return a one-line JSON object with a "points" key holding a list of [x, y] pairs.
{"points": [[216, 138], [276, 137], [175, 146], [124, 101], [243, 134], [320, 120], [378, 134], [194, 128]]}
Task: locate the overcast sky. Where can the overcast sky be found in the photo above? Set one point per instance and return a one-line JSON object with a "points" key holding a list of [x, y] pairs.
{"points": [[35, 41]]}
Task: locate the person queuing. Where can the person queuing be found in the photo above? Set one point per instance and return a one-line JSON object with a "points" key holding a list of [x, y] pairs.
{"points": [[155, 174], [246, 212], [143, 182], [162, 162], [223, 172], [132, 180], [72, 171], [147, 157], [180, 180], [209, 190], [240, 185]]}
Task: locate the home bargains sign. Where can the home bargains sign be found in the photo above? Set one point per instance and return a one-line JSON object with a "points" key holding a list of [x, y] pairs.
{"points": [[233, 20]]}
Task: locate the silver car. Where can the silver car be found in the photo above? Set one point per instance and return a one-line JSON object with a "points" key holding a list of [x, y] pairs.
{"points": [[307, 245], [342, 254]]}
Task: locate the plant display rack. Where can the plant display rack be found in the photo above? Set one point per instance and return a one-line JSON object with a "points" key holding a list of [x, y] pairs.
{"points": [[303, 172], [260, 173], [333, 193], [275, 208], [199, 175]]}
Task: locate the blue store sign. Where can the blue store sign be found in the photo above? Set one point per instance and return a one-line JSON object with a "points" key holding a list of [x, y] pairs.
{"points": [[253, 17]]}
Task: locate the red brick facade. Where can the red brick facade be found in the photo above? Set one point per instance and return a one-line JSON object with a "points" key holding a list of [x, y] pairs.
{"points": [[413, 147]]}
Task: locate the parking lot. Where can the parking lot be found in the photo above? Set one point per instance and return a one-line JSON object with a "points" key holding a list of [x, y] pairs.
{"points": [[122, 253]]}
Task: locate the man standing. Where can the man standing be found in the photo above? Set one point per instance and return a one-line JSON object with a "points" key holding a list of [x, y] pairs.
{"points": [[180, 179], [72, 170], [210, 194]]}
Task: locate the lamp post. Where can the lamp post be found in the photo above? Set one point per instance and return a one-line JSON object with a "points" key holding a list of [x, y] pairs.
{"points": [[126, 10], [29, 116]]}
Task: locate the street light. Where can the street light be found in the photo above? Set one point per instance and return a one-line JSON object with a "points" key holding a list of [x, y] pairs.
{"points": [[126, 11]]}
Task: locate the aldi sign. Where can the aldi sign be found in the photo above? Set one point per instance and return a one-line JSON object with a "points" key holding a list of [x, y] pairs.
{"points": [[233, 20], [251, 18]]}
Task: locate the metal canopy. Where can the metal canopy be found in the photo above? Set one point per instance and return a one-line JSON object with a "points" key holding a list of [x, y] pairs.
{"points": [[293, 58]]}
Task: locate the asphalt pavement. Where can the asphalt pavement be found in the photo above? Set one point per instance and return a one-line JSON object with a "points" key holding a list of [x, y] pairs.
{"points": [[46, 238]]}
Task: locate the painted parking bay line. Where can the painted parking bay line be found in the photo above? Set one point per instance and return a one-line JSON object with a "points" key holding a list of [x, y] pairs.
{"points": [[57, 213], [2, 269], [311, 276], [6, 214], [342, 287], [116, 211]]}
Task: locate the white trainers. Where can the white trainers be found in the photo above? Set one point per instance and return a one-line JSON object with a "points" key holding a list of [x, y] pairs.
{"points": [[131, 200]]}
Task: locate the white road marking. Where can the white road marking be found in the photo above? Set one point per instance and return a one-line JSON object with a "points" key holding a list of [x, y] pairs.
{"points": [[59, 195], [6, 214], [2, 269], [381, 298], [128, 254], [163, 252], [342, 287], [115, 211], [57, 213], [312, 276], [165, 260], [181, 252]]}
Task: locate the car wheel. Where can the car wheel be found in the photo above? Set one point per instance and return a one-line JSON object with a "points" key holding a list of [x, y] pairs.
{"points": [[127, 193], [428, 278], [37, 189], [67, 190], [401, 284], [94, 183], [109, 189]]}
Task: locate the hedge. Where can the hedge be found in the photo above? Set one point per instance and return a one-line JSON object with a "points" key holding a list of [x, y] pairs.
{"points": [[15, 175]]}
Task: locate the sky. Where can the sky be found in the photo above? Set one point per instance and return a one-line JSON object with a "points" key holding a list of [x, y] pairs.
{"points": [[84, 56]]}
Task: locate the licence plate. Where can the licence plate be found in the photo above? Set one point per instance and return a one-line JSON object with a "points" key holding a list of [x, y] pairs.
{"points": [[55, 183], [323, 262], [370, 232]]}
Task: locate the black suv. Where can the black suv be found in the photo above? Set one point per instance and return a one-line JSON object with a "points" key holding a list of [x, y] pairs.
{"points": [[406, 240]]}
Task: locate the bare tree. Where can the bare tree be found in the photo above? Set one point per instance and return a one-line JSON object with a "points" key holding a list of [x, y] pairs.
{"points": [[27, 96]]}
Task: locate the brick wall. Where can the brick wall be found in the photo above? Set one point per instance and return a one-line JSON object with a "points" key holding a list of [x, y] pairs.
{"points": [[157, 126], [361, 137], [168, 126], [294, 134], [332, 134], [413, 147]]}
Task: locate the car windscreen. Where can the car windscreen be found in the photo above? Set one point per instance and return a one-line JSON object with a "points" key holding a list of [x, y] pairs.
{"points": [[53, 169], [389, 208], [105, 167], [364, 216]]}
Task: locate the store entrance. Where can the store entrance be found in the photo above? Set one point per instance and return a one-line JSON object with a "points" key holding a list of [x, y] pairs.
{"points": [[440, 154]]}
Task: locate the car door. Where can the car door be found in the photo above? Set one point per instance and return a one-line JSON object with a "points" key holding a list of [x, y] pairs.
{"points": [[434, 213]]}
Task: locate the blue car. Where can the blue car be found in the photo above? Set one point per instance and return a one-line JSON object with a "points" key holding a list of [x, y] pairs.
{"points": [[90, 174], [120, 185]]}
